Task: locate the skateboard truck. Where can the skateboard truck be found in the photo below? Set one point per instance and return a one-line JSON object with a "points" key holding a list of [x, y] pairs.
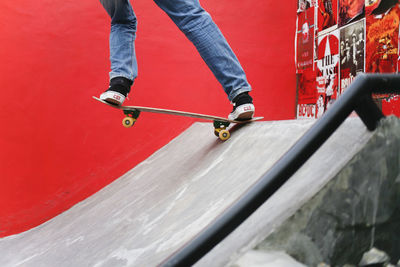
{"points": [[130, 117], [220, 129]]}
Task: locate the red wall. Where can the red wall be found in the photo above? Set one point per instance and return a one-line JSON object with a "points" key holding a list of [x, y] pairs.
{"points": [[58, 145]]}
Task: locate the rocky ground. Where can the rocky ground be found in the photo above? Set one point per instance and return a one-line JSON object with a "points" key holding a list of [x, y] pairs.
{"points": [[353, 221]]}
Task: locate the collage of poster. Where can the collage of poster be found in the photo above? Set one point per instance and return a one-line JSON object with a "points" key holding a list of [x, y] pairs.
{"points": [[338, 39]]}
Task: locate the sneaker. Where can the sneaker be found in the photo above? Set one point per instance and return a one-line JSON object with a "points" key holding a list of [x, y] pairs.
{"points": [[118, 91], [243, 108]]}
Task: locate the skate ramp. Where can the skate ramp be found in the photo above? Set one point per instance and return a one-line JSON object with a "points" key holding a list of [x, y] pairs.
{"points": [[154, 209]]}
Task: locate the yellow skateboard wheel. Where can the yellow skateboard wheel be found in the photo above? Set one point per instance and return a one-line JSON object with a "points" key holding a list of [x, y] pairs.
{"points": [[224, 135], [216, 131], [128, 122]]}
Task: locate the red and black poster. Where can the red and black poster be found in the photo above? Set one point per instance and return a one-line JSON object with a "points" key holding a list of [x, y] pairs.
{"points": [[382, 48], [377, 7], [350, 11], [382, 41], [338, 39], [305, 39], [307, 94], [327, 15], [352, 50], [370, 6], [327, 80]]}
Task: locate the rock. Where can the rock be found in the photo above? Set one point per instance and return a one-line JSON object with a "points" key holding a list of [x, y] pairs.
{"points": [[374, 256], [256, 258], [357, 209]]}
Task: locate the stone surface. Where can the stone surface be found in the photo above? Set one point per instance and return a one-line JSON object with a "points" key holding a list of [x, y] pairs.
{"points": [[374, 256], [256, 258], [358, 209]]}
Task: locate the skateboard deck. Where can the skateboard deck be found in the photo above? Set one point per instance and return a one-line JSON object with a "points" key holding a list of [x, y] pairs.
{"points": [[220, 123]]}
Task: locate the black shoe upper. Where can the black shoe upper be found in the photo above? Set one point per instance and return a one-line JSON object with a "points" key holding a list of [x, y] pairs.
{"points": [[241, 99], [121, 85]]}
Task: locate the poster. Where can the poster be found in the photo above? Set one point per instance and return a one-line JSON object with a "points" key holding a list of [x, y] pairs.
{"points": [[327, 80], [352, 50], [307, 94], [327, 15], [303, 5], [305, 39], [350, 10], [391, 105], [306, 111], [338, 39], [370, 6], [382, 41], [378, 7]]}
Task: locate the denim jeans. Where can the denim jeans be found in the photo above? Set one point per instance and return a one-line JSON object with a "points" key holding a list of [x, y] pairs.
{"points": [[198, 27]]}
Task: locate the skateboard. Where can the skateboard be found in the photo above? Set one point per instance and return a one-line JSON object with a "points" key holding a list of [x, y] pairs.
{"points": [[220, 124]]}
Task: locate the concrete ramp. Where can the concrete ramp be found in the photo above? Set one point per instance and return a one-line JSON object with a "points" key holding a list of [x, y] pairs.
{"points": [[154, 209]]}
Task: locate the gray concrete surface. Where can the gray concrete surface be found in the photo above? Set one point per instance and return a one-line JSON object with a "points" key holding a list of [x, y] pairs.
{"points": [[158, 206]]}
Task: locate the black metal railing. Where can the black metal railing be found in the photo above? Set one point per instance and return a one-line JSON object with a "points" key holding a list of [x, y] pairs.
{"points": [[358, 98]]}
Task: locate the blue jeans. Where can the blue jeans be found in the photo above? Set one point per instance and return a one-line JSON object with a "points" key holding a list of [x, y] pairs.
{"points": [[198, 27]]}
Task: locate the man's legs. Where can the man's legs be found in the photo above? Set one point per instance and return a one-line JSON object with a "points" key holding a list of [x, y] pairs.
{"points": [[201, 30], [122, 49]]}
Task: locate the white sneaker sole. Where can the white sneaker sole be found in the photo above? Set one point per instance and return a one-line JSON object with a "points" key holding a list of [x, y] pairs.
{"points": [[242, 112], [113, 97]]}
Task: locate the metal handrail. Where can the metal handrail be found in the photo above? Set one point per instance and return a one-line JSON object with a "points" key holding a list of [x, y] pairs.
{"points": [[358, 98]]}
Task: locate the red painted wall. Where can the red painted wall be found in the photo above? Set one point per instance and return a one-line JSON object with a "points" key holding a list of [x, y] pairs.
{"points": [[59, 146]]}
